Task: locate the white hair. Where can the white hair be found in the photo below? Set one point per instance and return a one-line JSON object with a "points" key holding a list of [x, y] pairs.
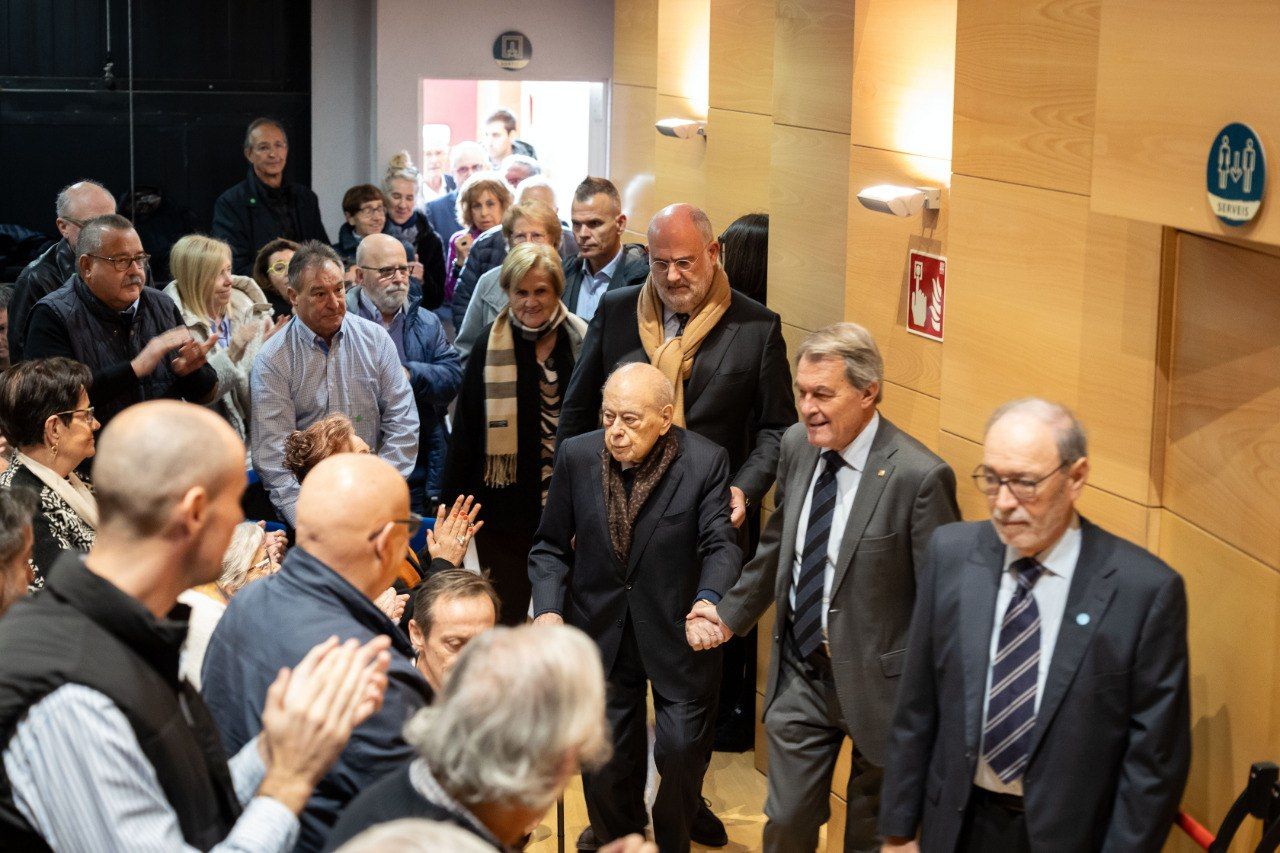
{"points": [[415, 835], [458, 151], [1069, 434], [518, 703]]}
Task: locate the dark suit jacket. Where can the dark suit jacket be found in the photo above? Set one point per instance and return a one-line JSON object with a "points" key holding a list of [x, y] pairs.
{"points": [[683, 543], [905, 492], [633, 269], [1111, 743], [442, 214], [245, 221], [739, 394]]}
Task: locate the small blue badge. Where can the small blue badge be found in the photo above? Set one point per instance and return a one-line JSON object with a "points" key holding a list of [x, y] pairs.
{"points": [[1082, 619], [1236, 174]]}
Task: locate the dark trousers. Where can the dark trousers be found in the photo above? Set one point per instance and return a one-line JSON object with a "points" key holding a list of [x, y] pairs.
{"points": [[806, 728], [993, 822], [505, 554], [615, 792]]}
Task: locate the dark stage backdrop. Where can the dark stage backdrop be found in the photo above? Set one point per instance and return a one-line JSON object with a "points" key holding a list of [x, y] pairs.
{"points": [[202, 70]]}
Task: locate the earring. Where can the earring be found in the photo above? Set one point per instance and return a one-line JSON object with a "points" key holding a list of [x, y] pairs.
{"points": [[55, 450]]}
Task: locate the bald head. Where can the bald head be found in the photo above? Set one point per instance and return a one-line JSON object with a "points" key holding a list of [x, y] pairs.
{"points": [[78, 203], [380, 250], [344, 500], [679, 216], [637, 410], [153, 454], [377, 252]]}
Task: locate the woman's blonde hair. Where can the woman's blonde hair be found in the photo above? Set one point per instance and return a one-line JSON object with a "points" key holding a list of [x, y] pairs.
{"points": [[196, 261], [401, 168], [477, 185], [237, 561], [526, 258]]}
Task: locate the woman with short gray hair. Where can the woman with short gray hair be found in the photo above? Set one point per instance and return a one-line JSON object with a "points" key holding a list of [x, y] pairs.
{"points": [[520, 715]]}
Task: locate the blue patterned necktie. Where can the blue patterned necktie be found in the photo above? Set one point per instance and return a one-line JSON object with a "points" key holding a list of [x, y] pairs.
{"points": [[806, 619], [1011, 704]]}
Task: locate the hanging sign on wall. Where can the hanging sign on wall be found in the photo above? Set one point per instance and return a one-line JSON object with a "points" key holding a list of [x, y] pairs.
{"points": [[512, 50], [926, 286], [1236, 174]]}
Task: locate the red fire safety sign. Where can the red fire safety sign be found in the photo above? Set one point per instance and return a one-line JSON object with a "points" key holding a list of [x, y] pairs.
{"points": [[926, 293]]}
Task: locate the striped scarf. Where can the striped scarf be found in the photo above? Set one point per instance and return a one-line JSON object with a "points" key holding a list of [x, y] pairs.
{"points": [[500, 392]]}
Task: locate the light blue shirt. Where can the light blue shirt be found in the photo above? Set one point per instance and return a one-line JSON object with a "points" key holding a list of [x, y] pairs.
{"points": [[593, 287], [297, 380], [847, 480], [81, 780]]}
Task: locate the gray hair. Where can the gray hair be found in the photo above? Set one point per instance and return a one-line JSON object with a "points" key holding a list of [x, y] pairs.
{"points": [[532, 166], [310, 255], [663, 391], [94, 232], [518, 702], [415, 835], [17, 506], [1069, 434], [534, 182], [66, 196], [456, 152], [263, 121], [237, 560], [853, 345]]}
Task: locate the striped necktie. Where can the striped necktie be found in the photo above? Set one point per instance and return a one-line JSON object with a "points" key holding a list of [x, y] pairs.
{"points": [[806, 619], [1011, 704]]}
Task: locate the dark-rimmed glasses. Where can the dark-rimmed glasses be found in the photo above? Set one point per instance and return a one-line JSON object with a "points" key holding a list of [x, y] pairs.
{"points": [[123, 264], [413, 522], [384, 273], [1022, 488]]}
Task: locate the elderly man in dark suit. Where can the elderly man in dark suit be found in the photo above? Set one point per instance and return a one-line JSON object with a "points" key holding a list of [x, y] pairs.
{"points": [[1044, 704], [857, 500], [635, 531]]}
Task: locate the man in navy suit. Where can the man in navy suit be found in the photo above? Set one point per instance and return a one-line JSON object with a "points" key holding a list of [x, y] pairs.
{"points": [[1044, 702], [635, 531]]}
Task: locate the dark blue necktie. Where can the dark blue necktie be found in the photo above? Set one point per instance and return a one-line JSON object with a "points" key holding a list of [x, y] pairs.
{"points": [[1011, 704], [806, 619]]}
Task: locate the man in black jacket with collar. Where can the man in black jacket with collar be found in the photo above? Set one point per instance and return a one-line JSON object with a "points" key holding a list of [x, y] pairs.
{"points": [[263, 206], [635, 528], [602, 263]]}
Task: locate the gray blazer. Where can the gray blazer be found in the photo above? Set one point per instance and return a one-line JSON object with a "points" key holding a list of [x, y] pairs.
{"points": [[1112, 739], [905, 492]]}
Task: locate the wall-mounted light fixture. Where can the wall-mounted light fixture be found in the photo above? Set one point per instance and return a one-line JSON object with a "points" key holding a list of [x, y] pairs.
{"points": [[900, 201], [681, 128]]}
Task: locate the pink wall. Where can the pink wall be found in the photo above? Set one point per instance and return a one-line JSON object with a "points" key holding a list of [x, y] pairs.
{"points": [[451, 102]]}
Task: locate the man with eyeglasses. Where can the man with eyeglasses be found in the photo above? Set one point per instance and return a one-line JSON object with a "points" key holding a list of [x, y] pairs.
{"points": [[466, 159], [76, 204], [264, 206], [131, 336], [430, 362], [1044, 703], [353, 524], [725, 356]]}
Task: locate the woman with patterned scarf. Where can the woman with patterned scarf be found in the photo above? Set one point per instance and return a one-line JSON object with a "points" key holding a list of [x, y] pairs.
{"points": [[508, 409]]}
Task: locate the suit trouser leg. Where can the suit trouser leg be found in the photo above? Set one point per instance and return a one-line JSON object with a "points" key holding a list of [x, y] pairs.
{"points": [[684, 731], [805, 731], [615, 793]]}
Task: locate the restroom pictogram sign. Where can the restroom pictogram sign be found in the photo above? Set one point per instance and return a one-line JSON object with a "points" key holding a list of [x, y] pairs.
{"points": [[926, 293]]}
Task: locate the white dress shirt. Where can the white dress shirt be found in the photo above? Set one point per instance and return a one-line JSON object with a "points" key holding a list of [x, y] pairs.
{"points": [[1050, 592], [847, 480]]}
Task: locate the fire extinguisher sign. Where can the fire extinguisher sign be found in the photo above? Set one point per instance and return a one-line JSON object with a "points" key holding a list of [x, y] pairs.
{"points": [[926, 293]]}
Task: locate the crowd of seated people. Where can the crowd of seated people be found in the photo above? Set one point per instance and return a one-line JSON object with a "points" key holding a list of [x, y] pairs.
{"points": [[379, 543]]}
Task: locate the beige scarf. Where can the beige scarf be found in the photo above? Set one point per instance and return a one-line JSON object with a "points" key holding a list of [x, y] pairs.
{"points": [[674, 356], [500, 389], [72, 490]]}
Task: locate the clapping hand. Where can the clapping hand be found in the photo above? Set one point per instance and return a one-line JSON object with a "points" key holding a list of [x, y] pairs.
{"points": [[391, 604], [703, 628], [192, 355], [452, 533]]}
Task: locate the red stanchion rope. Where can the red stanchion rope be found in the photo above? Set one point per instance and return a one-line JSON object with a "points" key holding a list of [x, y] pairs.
{"points": [[1192, 827]]}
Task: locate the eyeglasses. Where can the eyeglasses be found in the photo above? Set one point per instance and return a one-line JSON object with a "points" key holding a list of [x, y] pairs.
{"points": [[371, 210], [413, 522], [79, 223], [71, 413], [683, 264], [385, 273], [989, 483], [279, 267], [122, 264]]}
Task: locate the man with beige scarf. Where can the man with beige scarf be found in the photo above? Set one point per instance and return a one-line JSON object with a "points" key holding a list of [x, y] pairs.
{"points": [[637, 526]]}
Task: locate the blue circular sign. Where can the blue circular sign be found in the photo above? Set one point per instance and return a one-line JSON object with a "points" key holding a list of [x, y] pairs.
{"points": [[1236, 174]]}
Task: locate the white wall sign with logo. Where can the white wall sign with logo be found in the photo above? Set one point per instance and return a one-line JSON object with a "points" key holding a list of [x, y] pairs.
{"points": [[926, 297], [512, 50], [1236, 174]]}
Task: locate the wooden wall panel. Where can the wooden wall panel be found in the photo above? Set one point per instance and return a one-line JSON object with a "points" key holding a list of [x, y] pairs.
{"points": [[914, 413], [1024, 100], [1223, 464], [684, 28], [1234, 632], [835, 826], [631, 152], [904, 57], [876, 266], [741, 69], [813, 64], [680, 164], [635, 42], [1157, 118], [737, 168], [807, 225], [1045, 298]]}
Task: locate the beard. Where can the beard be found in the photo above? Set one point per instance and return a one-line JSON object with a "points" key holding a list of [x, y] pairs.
{"points": [[389, 301]]}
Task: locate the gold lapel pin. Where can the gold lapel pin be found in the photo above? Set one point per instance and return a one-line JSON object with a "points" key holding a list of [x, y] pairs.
{"points": [[880, 473]]}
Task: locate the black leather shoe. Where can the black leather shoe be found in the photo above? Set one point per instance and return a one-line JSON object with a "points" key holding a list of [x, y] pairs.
{"points": [[587, 840], [707, 829]]}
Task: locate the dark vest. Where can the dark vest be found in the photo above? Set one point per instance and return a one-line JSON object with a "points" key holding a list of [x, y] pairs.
{"points": [[101, 337], [81, 629]]}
